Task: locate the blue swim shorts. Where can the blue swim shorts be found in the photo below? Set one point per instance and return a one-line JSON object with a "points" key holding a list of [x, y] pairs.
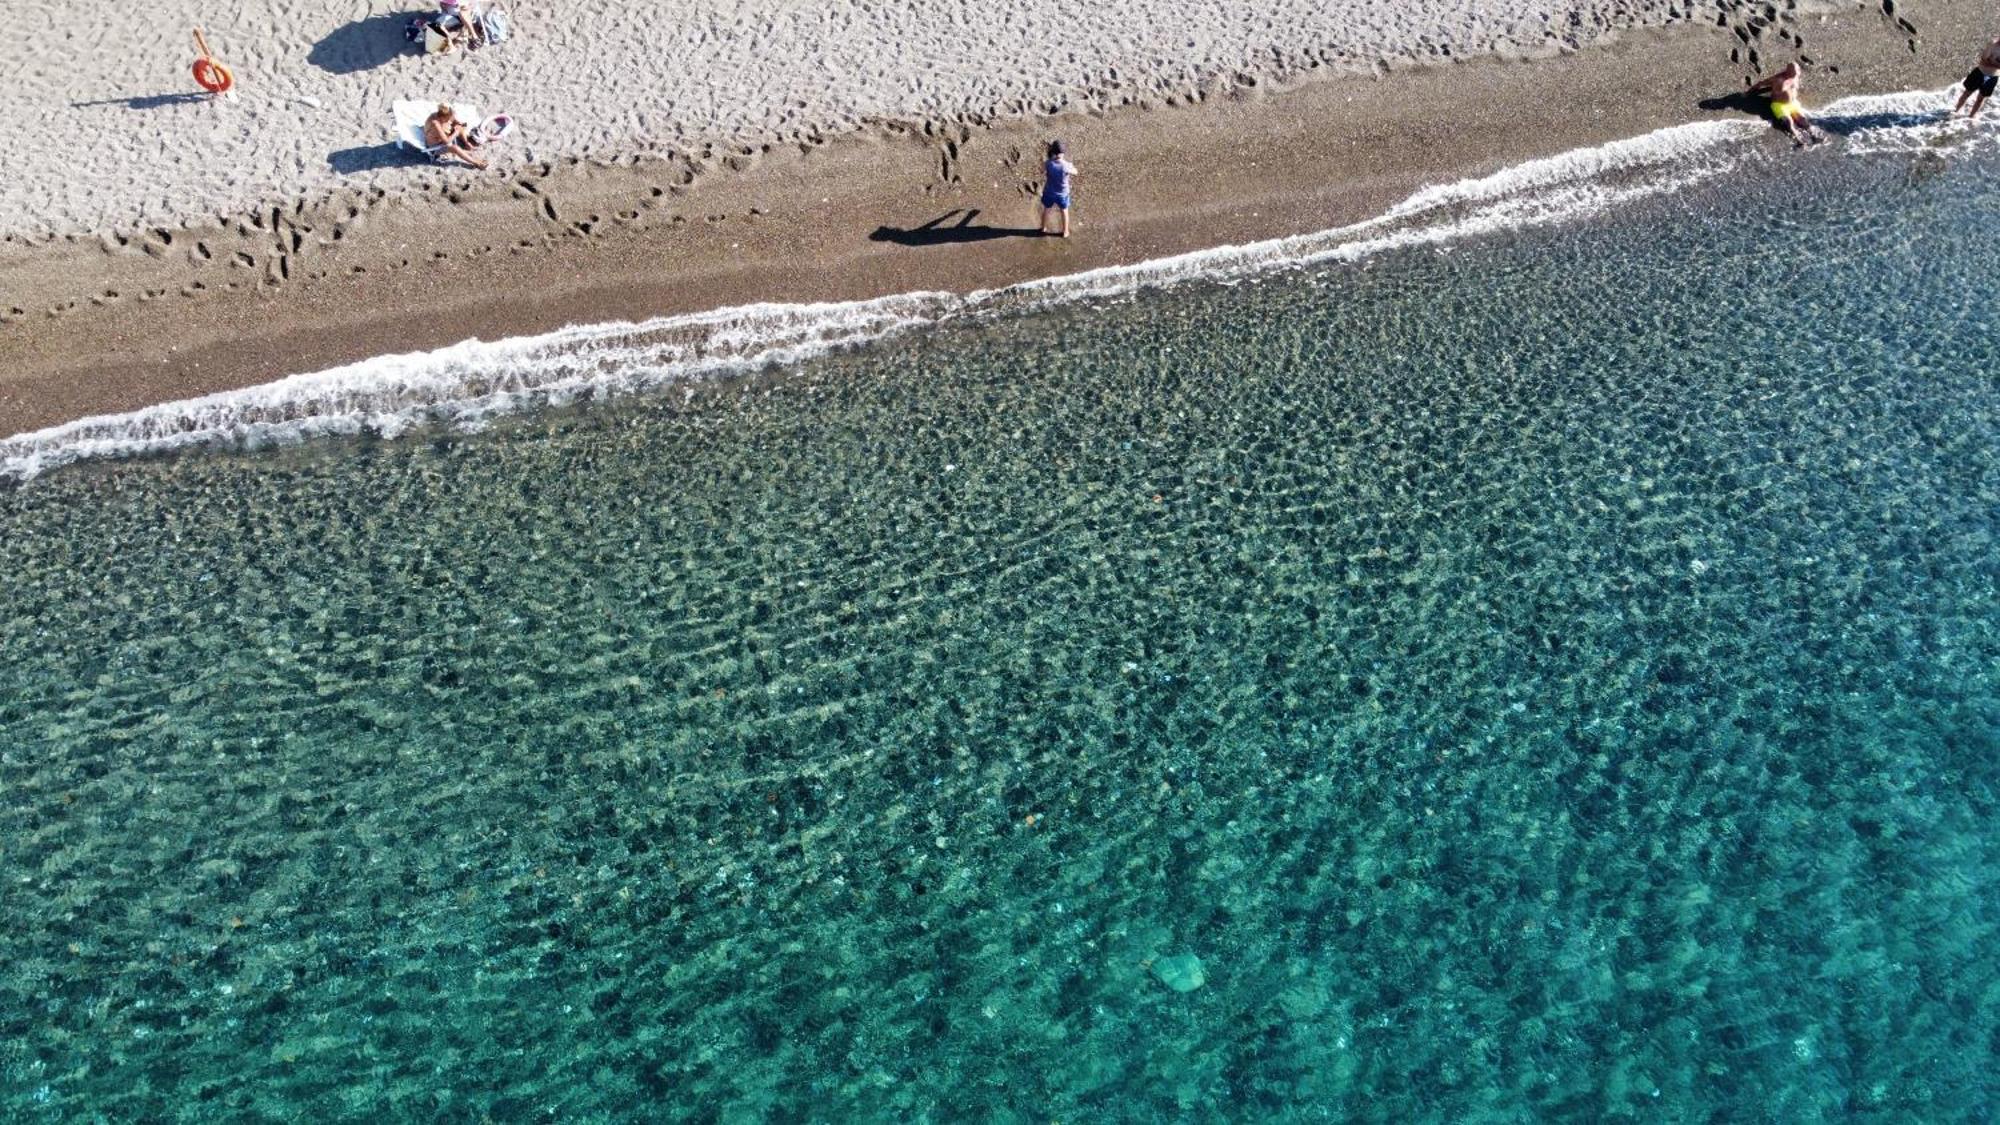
{"points": [[1056, 199]]}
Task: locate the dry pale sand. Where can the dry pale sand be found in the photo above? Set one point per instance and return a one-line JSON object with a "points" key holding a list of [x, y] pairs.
{"points": [[104, 130], [223, 298]]}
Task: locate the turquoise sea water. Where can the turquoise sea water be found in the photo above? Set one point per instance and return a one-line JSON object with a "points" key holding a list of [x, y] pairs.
{"points": [[1556, 678]]}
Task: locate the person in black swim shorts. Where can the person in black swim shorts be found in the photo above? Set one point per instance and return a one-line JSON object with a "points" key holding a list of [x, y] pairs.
{"points": [[1982, 79]]}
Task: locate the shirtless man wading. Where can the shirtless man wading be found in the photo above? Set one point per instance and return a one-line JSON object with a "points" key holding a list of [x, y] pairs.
{"points": [[1981, 80]]}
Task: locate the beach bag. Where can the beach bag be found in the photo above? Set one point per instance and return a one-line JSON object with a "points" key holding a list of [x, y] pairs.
{"points": [[495, 26], [435, 40]]}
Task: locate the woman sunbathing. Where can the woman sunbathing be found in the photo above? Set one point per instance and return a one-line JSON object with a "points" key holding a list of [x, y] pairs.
{"points": [[444, 128]]}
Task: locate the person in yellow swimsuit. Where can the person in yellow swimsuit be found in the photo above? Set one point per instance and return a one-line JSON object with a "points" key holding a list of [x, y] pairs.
{"points": [[1783, 90]]}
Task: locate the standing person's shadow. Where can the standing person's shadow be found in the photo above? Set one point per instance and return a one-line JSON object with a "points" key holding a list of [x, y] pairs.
{"points": [[935, 233]]}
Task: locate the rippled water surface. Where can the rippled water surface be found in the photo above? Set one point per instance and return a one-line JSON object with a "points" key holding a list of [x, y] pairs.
{"points": [[1555, 677]]}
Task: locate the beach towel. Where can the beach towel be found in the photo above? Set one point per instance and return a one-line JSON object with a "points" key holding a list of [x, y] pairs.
{"points": [[494, 24]]}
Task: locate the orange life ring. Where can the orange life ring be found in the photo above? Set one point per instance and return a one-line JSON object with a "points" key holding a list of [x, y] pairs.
{"points": [[212, 76]]}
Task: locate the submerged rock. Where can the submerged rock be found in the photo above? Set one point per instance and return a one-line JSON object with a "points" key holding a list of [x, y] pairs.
{"points": [[1181, 972]]}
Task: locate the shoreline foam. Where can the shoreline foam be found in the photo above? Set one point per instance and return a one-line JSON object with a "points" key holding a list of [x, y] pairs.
{"points": [[474, 380]]}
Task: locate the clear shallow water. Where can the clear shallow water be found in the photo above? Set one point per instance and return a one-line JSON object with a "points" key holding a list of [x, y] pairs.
{"points": [[1551, 678]]}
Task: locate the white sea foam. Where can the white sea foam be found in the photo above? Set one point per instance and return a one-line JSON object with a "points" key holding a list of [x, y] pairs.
{"points": [[1561, 188], [1913, 121], [469, 382]]}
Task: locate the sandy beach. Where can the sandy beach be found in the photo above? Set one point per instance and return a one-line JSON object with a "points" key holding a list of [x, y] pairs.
{"points": [[643, 82], [676, 158]]}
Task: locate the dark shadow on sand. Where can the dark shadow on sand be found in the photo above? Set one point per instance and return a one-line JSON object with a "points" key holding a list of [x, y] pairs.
{"points": [[368, 158], [362, 45], [146, 101], [1847, 124], [935, 233]]}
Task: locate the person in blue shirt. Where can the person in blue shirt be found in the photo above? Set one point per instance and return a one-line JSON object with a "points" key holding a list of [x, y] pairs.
{"points": [[1058, 173]]}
